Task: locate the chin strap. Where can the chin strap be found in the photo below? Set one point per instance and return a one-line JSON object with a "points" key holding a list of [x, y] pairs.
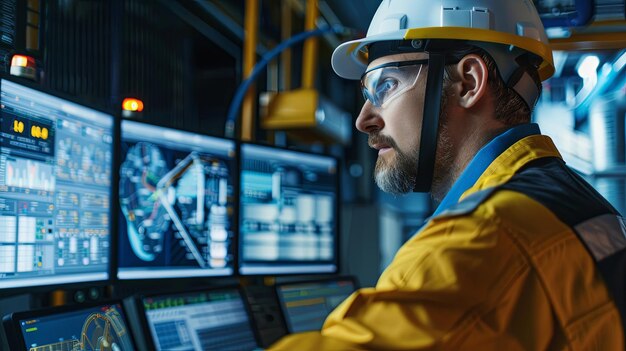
{"points": [[430, 122]]}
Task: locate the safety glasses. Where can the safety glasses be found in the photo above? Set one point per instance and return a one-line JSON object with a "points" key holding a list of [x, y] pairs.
{"points": [[386, 82]]}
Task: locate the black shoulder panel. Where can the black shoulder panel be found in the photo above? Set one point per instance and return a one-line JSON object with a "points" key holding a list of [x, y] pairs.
{"points": [[613, 269], [551, 183]]}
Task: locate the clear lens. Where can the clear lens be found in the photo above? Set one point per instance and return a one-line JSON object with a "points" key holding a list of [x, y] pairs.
{"points": [[383, 83]]}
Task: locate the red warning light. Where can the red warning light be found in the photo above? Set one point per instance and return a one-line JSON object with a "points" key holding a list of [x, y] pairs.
{"points": [[22, 61], [23, 66]]}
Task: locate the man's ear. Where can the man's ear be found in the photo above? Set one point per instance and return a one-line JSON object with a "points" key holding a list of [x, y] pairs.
{"points": [[474, 76]]}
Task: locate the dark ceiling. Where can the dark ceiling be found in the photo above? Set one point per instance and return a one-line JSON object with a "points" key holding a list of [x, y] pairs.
{"points": [[354, 13], [358, 13]]}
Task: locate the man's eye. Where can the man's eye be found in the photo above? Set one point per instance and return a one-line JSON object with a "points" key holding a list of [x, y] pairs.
{"points": [[386, 86]]}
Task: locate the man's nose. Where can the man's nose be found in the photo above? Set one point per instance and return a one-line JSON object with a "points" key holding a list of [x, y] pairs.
{"points": [[369, 120]]}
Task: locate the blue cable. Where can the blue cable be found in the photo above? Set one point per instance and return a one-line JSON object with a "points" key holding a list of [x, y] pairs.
{"points": [[265, 60]]}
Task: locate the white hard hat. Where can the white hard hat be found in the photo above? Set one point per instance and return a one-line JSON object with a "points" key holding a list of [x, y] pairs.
{"points": [[512, 23], [509, 30]]}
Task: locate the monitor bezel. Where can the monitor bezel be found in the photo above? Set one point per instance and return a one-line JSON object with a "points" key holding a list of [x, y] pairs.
{"points": [[115, 120], [337, 241], [585, 10], [115, 274], [283, 309], [14, 333], [143, 319]]}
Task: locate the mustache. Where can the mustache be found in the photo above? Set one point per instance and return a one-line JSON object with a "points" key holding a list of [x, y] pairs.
{"points": [[377, 139]]}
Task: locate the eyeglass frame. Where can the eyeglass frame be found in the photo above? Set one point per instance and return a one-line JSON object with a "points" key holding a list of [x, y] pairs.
{"points": [[395, 64]]}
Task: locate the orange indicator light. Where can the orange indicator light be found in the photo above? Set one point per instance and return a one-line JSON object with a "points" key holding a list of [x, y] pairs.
{"points": [[130, 104], [21, 61]]}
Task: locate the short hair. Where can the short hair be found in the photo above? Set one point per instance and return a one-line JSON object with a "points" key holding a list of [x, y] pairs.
{"points": [[510, 108]]}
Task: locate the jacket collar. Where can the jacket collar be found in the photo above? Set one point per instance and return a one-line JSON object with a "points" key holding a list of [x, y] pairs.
{"points": [[497, 161]]}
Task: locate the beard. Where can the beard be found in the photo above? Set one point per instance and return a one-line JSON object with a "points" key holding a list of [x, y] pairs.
{"points": [[397, 175], [444, 173]]}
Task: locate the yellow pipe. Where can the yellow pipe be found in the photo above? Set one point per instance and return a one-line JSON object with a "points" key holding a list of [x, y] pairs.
{"points": [[590, 41], [269, 281], [58, 298], [285, 58], [608, 23], [249, 60], [310, 46]]}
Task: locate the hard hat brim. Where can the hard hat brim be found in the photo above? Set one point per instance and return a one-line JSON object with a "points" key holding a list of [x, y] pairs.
{"points": [[349, 61]]}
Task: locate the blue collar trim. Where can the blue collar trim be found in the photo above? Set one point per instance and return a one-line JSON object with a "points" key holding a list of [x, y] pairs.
{"points": [[483, 158]]}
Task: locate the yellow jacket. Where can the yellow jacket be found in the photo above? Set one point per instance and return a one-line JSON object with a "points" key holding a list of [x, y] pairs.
{"points": [[518, 264]]}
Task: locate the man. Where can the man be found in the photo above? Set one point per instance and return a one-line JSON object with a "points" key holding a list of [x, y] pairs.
{"points": [[521, 253]]}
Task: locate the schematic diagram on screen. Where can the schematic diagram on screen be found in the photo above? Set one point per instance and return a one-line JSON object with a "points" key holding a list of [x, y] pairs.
{"points": [[100, 330], [175, 205]]}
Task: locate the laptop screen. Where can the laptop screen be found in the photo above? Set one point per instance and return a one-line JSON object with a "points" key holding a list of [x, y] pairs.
{"points": [[102, 327], [214, 319], [306, 305]]}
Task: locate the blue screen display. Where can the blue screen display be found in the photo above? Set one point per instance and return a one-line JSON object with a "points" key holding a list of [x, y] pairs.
{"points": [[288, 205], [306, 305], [56, 167], [177, 196], [211, 320], [98, 328]]}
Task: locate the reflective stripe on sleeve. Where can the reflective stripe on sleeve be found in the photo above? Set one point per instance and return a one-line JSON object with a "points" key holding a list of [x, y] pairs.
{"points": [[603, 235]]}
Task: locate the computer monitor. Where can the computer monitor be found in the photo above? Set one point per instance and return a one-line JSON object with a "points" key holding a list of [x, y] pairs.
{"points": [[216, 319], [306, 305], [177, 200], [56, 167], [288, 212], [95, 327], [565, 13]]}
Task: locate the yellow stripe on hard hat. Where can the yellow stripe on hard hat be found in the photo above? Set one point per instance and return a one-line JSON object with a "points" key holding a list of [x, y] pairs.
{"points": [[546, 69]]}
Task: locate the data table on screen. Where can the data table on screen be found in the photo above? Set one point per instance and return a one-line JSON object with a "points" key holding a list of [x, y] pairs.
{"points": [[56, 167], [216, 320], [288, 211], [307, 304]]}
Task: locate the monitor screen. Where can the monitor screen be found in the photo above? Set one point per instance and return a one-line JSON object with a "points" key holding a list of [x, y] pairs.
{"points": [[103, 327], [208, 320], [565, 13], [555, 7], [177, 195], [306, 305], [288, 208], [56, 161]]}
